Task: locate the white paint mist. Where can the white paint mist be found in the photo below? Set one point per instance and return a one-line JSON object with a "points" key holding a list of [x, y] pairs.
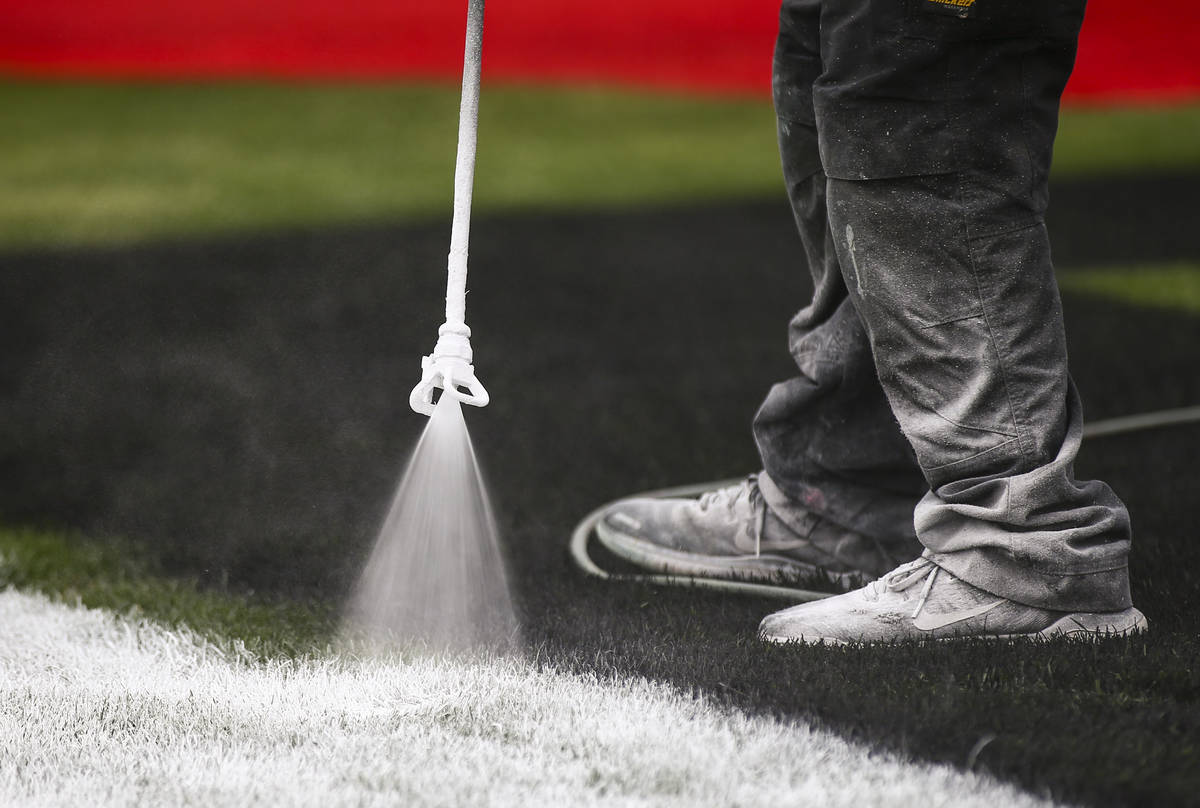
{"points": [[436, 576]]}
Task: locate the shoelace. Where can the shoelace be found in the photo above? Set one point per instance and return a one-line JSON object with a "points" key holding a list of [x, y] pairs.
{"points": [[904, 577], [731, 496]]}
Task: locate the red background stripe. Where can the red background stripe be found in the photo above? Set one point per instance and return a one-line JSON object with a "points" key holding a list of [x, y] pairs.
{"points": [[1130, 51]]}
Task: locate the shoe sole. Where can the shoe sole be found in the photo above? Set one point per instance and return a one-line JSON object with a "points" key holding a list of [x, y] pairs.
{"points": [[766, 568], [1081, 625], [1098, 624]]}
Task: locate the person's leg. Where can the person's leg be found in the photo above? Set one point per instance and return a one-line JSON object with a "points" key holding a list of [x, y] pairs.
{"points": [[840, 480], [965, 320], [939, 229], [827, 437]]}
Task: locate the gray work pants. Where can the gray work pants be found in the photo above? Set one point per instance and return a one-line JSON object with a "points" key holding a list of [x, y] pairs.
{"points": [[933, 402]]}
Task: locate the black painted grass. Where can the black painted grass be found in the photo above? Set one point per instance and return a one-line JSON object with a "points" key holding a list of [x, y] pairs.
{"points": [[1117, 722], [233, 414]]}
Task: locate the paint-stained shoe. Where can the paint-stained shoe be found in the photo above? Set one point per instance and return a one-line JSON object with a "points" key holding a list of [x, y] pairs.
{"points": [[731, 533], [921, 601]]}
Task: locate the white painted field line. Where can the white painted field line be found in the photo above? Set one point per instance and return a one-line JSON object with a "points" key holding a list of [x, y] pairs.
{"points": [[100, 710]]}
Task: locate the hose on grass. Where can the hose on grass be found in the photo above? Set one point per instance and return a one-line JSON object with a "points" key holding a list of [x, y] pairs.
{"points": [[582, 533]]}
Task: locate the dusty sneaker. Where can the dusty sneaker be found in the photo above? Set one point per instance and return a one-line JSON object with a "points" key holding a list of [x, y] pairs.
{"points": [[731, 533], [921, 601]]}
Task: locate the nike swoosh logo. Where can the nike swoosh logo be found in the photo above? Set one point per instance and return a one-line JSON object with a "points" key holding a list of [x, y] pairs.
{"points": [[932, 622]]}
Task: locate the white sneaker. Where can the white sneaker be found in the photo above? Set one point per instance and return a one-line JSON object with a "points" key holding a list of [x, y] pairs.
{"points": [[731, 533], [921, 601]]}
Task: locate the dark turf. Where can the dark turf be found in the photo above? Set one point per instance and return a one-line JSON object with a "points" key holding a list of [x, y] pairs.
{"points": [[239, 406]]}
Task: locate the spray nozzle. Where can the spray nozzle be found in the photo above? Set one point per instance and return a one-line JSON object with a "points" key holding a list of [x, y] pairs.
{"points": [[449, 367]]}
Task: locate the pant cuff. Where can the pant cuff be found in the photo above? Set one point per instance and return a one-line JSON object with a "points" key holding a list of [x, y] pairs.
{"points": [[798, 518], [999, 573]]}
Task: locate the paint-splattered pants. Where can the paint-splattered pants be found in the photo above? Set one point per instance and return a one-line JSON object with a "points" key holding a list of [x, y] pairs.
{"points": [[933, 402]]}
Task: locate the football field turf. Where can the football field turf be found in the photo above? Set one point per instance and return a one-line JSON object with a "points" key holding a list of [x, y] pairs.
{"points": [[216, 396], [114, 709], [118, 163]]}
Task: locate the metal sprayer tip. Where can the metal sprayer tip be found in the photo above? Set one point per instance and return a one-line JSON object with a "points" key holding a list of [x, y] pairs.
{"points": [[449, 368]]}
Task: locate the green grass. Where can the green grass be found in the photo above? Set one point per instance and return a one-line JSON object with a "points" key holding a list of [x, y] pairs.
{"points": [[104, 710], [86, 165], [1032, 701], [1165, 286], [114, 575], [116, 163], [1102, 141]]}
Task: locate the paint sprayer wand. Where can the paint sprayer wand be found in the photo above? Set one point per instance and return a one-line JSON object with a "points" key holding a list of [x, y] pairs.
{"points": [[450, 365]]}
